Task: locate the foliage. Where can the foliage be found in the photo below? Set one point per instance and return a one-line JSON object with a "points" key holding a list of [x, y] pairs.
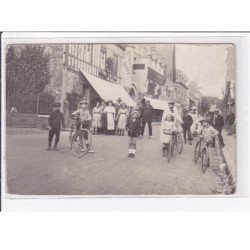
{"points": [[46, 102], [73, 100], [207, 101], [27, 74]]}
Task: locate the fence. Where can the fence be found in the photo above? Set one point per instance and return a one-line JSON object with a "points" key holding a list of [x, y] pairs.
{"points": [[42, 105], [28, 112]]}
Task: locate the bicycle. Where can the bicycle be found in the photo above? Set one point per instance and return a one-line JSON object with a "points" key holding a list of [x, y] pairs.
{"points": [[178, 141], [170, 146], [80, 139], [203, 153]]}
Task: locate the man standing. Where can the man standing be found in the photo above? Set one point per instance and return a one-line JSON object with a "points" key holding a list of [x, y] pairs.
{"points": [[147, 117], [230, 121], [117, 108], [218, 124], [187, 122], [55, 120]]}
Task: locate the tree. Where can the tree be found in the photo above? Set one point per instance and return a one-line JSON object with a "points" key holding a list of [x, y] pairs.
{"points": [[28, 74]]}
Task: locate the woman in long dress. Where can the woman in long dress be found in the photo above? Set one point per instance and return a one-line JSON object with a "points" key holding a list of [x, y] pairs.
{"points": [[97, 118], [122, 119], [110, 111], [103, 118]]}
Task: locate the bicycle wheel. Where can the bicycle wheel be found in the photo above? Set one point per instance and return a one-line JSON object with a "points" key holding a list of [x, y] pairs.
{"points": [[197, 151], [170, 149], [204, 160], [81, 143], [179, 143]]}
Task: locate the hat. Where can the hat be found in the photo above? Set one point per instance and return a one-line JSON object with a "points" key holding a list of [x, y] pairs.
{"points": [[57, 105], [83, 101], [216, 110], [203, 119], [171, 102], [169, 116], [135, 112], [119, 99], [193, 108]]}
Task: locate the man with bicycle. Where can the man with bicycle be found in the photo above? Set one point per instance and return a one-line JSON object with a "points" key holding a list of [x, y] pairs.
{"points": [[172, 111], [83, 118]]}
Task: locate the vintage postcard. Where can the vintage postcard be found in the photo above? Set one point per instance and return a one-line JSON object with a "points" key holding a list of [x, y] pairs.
{"points": [[110, 118]]}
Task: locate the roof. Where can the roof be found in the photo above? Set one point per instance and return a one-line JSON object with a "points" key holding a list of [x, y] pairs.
{"points": [[157, 104], [109, 91]]}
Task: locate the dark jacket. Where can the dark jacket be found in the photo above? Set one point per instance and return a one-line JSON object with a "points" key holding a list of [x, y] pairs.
{"points": [[133, 127], [230, 118], [147, 113], [55, 119], [218, 123], [187, 121]]}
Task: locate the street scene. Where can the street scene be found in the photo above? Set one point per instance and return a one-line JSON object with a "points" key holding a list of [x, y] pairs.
{"points": [[120, 119]]}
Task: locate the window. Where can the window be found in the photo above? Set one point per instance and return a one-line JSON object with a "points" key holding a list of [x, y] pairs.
{"points": [[103, 54], [114, 65], [87, 53]]}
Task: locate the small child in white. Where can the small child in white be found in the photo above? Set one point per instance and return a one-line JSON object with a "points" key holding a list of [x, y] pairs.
{"points": [[168, 129]]}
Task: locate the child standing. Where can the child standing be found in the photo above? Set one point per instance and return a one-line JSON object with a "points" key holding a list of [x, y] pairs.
{"points": [[55, 119], [133, 127], [168, 128]]}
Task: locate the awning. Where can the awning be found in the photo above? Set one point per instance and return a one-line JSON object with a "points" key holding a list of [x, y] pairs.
{"points": [[157, 104], [109, 91]]}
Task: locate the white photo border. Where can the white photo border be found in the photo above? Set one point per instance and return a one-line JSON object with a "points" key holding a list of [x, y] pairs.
{"points": [[238, 201]]}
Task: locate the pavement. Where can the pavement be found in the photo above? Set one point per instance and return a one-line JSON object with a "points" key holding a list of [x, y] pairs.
{"points": [[229, 152], [32, 170]]}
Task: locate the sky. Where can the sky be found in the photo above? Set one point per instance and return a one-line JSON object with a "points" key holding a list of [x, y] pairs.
{"points": [[204, 64]]}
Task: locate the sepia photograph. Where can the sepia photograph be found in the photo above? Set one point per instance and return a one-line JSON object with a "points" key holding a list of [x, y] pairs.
{"points": [[120, 119]]}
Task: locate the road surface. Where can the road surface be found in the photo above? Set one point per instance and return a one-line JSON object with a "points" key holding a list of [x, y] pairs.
{"points": [[32, 170]]}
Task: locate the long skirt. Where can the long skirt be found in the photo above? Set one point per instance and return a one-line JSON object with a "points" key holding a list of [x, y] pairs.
{"points": [[110, 121], [121, 125], [97, 120]]}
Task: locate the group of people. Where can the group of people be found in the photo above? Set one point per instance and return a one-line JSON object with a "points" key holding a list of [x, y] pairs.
{"points": [[192, 123], [113, 119], [107, 119], [110, 119]]}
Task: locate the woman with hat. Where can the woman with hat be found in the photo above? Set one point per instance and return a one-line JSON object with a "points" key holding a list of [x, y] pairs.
{"points": [[110, 111], [133, 127], [97, 118], [103, 118], [122, 119]]}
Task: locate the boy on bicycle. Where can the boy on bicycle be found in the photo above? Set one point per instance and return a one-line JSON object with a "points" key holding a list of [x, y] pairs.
{"points": [[84, 118], [207, 132]]}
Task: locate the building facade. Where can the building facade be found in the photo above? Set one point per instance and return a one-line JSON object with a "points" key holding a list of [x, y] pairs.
{"points": [[90, 70], [229, 91]]}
